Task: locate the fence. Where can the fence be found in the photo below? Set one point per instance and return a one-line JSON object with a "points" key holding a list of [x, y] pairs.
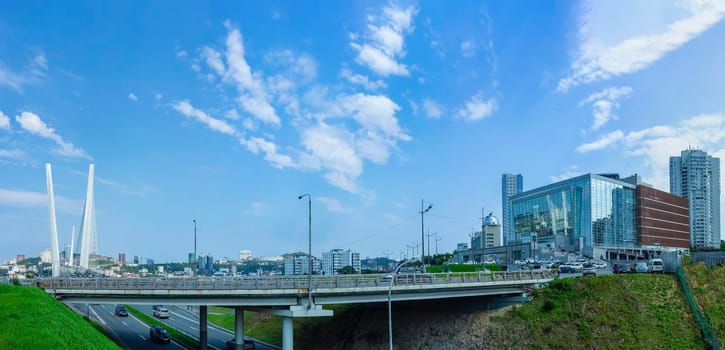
{"points": [[710, 337]]}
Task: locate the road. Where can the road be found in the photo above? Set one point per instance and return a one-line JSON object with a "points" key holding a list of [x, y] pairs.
{"points": [[128, 332], [188, 322]]}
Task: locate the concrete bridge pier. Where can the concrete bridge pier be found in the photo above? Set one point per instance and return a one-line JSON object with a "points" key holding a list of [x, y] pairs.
{"points": [[202, 327], [238, 328], [287, 333]]}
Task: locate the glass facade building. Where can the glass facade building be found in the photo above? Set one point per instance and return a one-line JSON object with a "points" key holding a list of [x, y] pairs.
{"points": [[511, 185], [576, 214]]}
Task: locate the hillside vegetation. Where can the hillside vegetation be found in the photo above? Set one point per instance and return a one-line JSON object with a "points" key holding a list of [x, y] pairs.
{"points": [[604, 312], [708, 287], [32, 319]]}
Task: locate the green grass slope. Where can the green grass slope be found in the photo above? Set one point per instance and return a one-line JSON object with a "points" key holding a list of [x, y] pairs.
{"points": [[605, 312], [32, 319], [708, 287]]}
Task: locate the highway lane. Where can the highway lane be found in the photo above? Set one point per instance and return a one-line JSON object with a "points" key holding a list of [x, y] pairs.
{"points": [[188, 322], [128, 332]]}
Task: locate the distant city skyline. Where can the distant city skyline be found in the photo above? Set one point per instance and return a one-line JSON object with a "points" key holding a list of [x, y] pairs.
{"points": [[225, 113]]}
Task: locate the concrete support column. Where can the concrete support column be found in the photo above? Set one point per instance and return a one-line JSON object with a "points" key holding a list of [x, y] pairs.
{"points": [[202, 327], [287, 333], [239, 327]]}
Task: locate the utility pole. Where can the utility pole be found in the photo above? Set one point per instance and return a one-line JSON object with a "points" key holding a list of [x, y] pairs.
{"points": [[429, 235], [437, 239]]}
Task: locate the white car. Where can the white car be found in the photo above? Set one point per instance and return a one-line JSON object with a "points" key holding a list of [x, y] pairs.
{"points": [[600, 265]]}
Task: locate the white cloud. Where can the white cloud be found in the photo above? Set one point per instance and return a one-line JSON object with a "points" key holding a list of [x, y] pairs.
{"points": [[4, 121], [31, 123], [29, 199], [132, 97], [603, 142], [280, 161], [34, 71], [257, 209], [374, 113], [468, 48], [213, 60], [181, 53], [253, 97], [600, 60], [569, 172], [362, 80], [604, 102], [12, 154], [218, 125], [333, 205], [477, 108], [332, 148], [232, 114], [432, 109], [41, 61], [386, 43]]}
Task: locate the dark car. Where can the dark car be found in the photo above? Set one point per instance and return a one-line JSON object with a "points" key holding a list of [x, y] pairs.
{"points": [[248, 344], [158, 334], [121, 311]]}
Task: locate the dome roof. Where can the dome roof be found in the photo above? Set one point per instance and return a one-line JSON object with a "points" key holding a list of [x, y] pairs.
{"points": [[490, 220]]}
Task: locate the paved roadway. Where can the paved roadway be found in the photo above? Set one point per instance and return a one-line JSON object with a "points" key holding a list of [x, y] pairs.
{"points": [[129, 332], [188, 322]]}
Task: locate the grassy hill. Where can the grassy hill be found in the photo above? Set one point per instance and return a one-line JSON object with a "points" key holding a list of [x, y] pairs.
{"points": [[708, 287], [604, 312], [32, 319]]}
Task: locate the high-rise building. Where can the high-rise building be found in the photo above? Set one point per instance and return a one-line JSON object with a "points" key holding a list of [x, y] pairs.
{"points": [[336, 259], [245, 254], [298, 264], [122, 258], [511, 185], [695, 175], [490, 236]]}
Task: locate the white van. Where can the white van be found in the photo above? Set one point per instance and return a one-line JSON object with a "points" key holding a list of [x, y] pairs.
{"points": [[656, 266]]}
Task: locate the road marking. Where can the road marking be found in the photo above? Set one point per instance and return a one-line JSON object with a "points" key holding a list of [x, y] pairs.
{"points": [[97, 316], [142, 337], [124, 323]]}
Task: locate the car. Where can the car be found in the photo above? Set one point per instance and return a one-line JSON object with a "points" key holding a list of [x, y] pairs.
{"points": [[589, 270], [160, 311], [247, 344], [121, 311], [640, 267], [158, 334], [656, 265], [600, 265]]}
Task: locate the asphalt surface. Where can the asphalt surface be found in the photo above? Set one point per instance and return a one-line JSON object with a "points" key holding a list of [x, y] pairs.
{"points": [[187, 322], [128, 332]]}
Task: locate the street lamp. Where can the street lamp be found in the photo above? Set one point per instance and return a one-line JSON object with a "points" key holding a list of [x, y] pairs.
{"points": [[390, 313], [309, 251], [196, 264], [422, 231]]}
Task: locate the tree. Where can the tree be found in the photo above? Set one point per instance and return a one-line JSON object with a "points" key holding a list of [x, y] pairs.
{"points": [[347, 270], [722, 245]]}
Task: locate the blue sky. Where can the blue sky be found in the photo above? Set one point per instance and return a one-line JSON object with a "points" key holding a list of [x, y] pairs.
{"points": [[226, 112]]}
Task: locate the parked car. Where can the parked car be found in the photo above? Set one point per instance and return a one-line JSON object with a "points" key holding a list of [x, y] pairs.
{"points": [[589, 270], [248, 344], [160, 311], [656, 265], [158, 334], [565, 268], [121, 311], [640, 267], [600, 265]]}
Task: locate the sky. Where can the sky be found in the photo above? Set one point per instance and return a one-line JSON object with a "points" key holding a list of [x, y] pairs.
{"points": [[226, 112]]}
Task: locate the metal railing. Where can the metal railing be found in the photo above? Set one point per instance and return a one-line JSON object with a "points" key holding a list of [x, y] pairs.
{"points": [[288, 282]]}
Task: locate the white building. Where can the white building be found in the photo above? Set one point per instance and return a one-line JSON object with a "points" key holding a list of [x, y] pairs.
{"points": [[45, 256], [245, 255], [696, 176], [491, 235], [337, 258], [298, 264], [511, 185]]}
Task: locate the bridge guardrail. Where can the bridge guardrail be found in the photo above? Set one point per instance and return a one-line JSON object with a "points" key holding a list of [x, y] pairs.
{"points": [[286, 282]]}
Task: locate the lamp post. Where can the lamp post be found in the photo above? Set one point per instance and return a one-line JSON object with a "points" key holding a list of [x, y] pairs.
{"points": [[390, 312], [422, 230], [309, 242], [196, 263]]}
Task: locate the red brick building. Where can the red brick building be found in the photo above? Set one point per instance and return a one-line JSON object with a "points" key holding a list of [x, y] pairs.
{"points": [[662, 219]]}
